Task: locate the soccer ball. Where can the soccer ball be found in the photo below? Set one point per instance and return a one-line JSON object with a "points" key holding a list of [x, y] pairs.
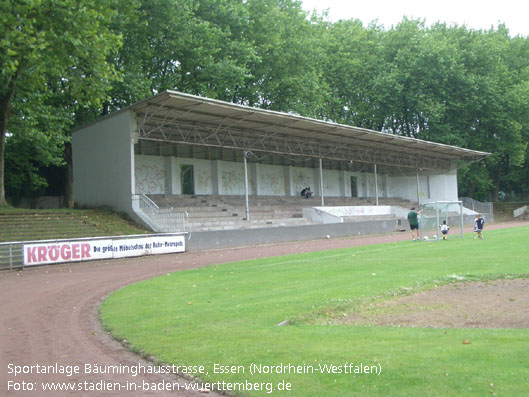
{"points": [[434, 236], [425, 238], [327, 236]]}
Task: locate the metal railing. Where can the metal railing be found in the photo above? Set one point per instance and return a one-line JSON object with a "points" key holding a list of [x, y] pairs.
{"points": [[521, 211], [165, 220], [11, 255], [477, 206]]}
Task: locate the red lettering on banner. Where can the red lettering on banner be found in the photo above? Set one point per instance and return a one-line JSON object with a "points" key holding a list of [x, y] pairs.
{"points": [[53, 252], [42, 254], [30, 254], [75, 251], [66, 253], [85, 251]]}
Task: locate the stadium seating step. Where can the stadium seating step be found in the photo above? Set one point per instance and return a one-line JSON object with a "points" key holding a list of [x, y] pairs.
{"points": [[223, 212]]}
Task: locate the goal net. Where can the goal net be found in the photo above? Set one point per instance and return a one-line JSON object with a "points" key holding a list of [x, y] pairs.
{"points": [[434, 215]]}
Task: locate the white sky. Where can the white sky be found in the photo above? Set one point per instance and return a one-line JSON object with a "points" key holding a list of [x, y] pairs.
{"points": [[475, 14]]}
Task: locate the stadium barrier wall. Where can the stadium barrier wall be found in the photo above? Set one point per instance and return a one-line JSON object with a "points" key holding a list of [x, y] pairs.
{"points": [[198, 241], [44, 252]]}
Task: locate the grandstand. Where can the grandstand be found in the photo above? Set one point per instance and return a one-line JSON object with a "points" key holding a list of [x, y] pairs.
{"points": [[177, 161]]}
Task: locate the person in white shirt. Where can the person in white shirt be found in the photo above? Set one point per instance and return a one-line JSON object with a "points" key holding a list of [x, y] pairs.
{"points": [[444, 230]]}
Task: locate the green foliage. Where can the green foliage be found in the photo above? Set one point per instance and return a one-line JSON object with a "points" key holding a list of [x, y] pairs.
{"points": [[25, 155], [52, 54], [448, 84]]}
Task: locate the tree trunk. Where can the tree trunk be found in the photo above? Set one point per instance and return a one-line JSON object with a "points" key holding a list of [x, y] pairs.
{"points": [[496, 188], [5, 115], [3, 202], [4, 118], [68, 180], [470, 189]]}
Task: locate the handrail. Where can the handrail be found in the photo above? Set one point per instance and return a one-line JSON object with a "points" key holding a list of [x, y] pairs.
{"points": [[477, 206], [148, 200], [159, 219]]}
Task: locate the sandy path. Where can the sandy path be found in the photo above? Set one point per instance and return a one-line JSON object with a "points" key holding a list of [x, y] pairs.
{"points": [[48, 315]]}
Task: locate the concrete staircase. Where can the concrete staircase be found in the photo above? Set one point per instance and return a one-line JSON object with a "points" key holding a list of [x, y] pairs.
{"points": [[504, 211], [210, 212]]}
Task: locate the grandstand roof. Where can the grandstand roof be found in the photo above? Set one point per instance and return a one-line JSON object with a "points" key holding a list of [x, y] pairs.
{"points": [[186, 119]]}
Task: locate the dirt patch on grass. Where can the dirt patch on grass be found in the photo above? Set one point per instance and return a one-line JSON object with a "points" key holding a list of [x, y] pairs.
{"points": [[492, 304]]}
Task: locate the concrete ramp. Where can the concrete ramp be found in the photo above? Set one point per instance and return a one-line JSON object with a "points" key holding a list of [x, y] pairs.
{"points": [[343, 214]]}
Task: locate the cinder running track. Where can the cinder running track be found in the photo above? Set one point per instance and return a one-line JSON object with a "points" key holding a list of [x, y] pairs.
{"points": [[49, 314]]}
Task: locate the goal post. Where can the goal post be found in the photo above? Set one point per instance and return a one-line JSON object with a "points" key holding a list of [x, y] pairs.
{"points": [[433, 214]]}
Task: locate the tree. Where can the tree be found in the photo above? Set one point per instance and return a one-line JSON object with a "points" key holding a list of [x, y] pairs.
{"points": [[197, 47], [35, 142], [287, 73], [50, 47], [351, 68]]}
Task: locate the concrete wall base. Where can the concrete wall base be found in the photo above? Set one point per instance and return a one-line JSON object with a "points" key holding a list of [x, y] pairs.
{"points": [[198, 241]]}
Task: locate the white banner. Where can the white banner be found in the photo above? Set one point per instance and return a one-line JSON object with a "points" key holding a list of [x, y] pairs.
{"points": [[86, 250]]}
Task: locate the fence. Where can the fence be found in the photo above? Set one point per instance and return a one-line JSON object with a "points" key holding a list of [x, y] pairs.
{"points": [[521, 211], [486, 209], [11, 255], [161, 220], [477, 206]]}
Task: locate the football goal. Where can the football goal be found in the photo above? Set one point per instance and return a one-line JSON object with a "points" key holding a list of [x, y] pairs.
{"points": [[433, 216]]}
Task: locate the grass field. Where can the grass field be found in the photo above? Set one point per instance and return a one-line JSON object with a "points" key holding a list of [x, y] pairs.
{"points": [[227, 315]]}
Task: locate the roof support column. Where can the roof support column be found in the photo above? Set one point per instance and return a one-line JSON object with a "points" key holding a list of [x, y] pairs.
{"points": [[376, 185], [418, 189], [321, 183], [461, 214], [247, 208]]}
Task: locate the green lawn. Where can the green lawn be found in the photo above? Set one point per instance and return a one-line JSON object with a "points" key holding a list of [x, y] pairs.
{"points": [[227, 315]]}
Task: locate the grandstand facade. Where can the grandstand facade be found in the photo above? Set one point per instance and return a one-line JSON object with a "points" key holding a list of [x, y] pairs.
{"points": [[184, 151]]}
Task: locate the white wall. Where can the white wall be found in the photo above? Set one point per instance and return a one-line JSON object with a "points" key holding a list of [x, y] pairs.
{"points": [[157, 174], [431, 187], [231, 178], [150, 174], [331, 183], [271, 180], [302, 178], [406, 187], [103, 162], [444, 187]]}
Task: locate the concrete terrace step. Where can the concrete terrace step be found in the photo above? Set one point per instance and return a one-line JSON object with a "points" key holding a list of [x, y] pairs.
{"points": [[214, 212], [206, 200], [236, 225], [241, 211], [363, 218], [20, 225]]}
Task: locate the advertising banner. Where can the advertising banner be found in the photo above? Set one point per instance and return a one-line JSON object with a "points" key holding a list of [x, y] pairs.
{"points": [[85, 249]]}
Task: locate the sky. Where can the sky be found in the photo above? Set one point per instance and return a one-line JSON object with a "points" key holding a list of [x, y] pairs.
{"points": [[475, 14]]}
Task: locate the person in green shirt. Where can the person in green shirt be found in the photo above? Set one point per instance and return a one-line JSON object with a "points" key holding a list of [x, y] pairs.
{"points": [[413, 220]]}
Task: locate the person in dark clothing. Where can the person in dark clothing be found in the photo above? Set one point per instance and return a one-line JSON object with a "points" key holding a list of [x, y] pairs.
{"points": [[413, 220], [478, 226]]}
